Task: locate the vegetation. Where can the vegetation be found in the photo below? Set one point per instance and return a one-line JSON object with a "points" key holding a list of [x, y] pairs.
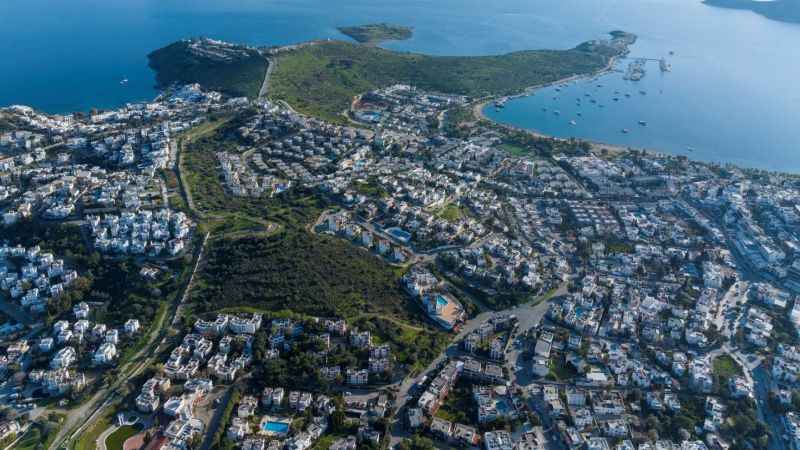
{"points": [[297, 270], [116, 440], [726, 368], [452, 212], [240, 73], [40, 434], [88, 438], [322, 79], [114, 284], [374, 34], [459, 407], [221, 211]]}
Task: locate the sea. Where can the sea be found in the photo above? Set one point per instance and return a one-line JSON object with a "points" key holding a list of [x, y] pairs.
{"points": [[732, 95]]}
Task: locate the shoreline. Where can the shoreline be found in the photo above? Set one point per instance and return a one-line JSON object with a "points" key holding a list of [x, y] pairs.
{"points": [[596, 146], [477, 110]]}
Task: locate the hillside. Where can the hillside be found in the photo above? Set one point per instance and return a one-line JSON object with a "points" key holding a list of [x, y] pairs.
{"points": [[322, 79], [300, 271], [231, 69]]}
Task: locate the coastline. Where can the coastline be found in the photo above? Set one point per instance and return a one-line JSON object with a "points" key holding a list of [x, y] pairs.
{"points": [[479, 106]]}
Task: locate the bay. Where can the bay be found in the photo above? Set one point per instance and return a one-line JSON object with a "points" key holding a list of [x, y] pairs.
{"points": [[732, 94]]}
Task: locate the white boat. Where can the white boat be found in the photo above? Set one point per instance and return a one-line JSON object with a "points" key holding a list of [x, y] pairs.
{"points": [[573, 123], [124, 81], [625, 131]]}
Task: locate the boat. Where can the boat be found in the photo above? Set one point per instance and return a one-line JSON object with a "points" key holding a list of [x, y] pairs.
{"points": [[691, 149], [671, 53], [557, 112], [643, 92], [124, 81], [579, 114], [594, 101], [544, 109], [616, 99], [572, 122], [625, 131], [643, 123], [627, 95]]}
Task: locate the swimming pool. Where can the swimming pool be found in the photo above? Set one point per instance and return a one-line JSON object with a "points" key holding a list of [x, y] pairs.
{"points": [[441, 301], [275, 427]]}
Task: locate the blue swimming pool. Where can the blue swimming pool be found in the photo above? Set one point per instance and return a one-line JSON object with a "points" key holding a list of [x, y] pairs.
{"points": [[276, 427], [441, 301]]}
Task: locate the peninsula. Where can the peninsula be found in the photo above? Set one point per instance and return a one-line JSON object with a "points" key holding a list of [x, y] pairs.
{"points": [[375, 34], [321, 78]]}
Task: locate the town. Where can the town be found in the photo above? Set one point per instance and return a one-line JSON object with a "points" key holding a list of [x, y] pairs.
{"points": [[590, 298]]}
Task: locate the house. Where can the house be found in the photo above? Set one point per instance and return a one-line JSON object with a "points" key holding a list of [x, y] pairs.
{"points": [[105, 354], [498, 440], [357, 377], [441, 428], [63, 358], [131, 326]]}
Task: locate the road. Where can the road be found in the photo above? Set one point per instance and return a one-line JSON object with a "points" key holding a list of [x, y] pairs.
{"points": [[773, 421], [78, 419], [271, 64], [528, 315]]}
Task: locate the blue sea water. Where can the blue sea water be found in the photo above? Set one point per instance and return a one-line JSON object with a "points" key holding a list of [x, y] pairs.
{"points": [[732, 94]]}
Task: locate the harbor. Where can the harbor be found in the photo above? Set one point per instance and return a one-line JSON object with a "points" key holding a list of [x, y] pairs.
{"points": [[576, 104]]}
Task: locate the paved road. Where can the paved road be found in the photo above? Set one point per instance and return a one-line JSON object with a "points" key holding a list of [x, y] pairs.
{"points": [[271, 64], [528, 315]]}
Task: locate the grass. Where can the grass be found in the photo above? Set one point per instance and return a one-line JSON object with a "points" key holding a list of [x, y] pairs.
{"points": [[452, 212], [322, 79], [88, 439], [515, 150], [116, 440], [726, 368], [39, 434]]}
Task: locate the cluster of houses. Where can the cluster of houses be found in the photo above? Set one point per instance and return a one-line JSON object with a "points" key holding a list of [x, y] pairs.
{"points": [[139, 233], [71, 348], [219, 349], [343, 225], [403, 108], [33, 277], [493, 400]]}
